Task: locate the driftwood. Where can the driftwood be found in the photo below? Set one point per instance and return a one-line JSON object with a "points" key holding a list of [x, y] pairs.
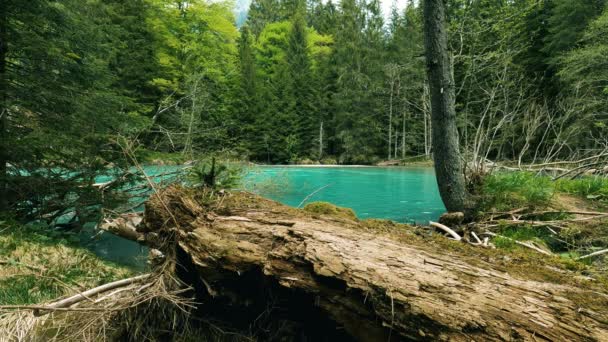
{"points": [[446, 229], [373, 283]]}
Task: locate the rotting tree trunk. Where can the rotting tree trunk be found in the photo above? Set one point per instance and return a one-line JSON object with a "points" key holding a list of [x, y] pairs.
{"points": [[375, 280], [446, 153]]}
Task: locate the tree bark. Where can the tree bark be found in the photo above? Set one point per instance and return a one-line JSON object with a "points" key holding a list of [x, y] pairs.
{"points": [[390, 119], [3, 106], [376, 281], [448, 165], [321, 140]]}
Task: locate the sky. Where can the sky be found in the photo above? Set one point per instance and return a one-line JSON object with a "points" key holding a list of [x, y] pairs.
{"points": [[243, 5]]}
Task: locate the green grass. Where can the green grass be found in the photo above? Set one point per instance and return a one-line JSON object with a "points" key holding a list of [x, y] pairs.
{"points": [[539, 236], [592, 188], [39, 265], [511, 190], [506, 191]]}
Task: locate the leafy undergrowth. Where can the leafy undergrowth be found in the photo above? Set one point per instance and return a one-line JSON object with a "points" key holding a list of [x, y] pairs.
{"points": [[505, 191], [38, 265], [525, 196], [591, 188]]}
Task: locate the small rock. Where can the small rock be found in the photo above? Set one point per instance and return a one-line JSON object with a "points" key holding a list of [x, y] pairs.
{"points": [[452, 219], [591, 172]]}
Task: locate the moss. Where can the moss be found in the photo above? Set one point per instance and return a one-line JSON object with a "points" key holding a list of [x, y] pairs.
{"points": [[519, 262], [325, 208], [39, 265]]}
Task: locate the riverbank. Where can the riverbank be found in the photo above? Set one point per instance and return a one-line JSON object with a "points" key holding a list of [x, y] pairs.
{"points": [[38, 264], [227, 241]]}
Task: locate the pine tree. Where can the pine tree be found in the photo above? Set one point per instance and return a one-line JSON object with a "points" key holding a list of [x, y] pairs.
{"points": [[301, 79], [262, 13], [248, 100]]}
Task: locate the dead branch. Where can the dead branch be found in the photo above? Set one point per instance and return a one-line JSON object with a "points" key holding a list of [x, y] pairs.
{"points": [[124, 226], [68, 302], [603, 251], [312, 194], [528, 245], [446, 229]]}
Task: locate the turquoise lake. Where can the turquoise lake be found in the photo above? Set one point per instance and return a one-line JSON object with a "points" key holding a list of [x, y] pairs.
{"points": [[403, 194]]}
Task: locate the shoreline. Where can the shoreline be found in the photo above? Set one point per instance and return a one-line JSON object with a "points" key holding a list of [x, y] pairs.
{"points": [[346, 166]]}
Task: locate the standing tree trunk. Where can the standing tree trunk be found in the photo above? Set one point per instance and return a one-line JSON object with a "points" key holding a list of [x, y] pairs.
{"points": [[321, 140], [3, 106], [448, 165], [390, 120], [426, 116]]}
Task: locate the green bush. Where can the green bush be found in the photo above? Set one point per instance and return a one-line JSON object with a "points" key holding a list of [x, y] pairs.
{"points": [[510, 190], [216, 175]]}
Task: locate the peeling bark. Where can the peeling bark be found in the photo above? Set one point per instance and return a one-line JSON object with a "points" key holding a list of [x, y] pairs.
{"points": [[374, 284]]}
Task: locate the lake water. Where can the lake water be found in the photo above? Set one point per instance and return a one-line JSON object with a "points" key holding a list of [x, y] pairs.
{"points": [[402, 194]]}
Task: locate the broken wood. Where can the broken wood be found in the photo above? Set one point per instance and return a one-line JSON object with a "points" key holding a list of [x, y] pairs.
{"points": [[124, 226], [374, 283], [68, 302], [446, 229], [603, 251]]}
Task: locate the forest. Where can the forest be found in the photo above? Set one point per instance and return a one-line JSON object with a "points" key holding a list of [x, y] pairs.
{"points": [[507, 99]]}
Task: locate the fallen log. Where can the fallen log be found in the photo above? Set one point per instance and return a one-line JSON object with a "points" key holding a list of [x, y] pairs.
{"points": [[373, 280]]}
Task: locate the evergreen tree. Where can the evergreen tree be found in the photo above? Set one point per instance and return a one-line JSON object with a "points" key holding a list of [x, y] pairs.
{"points": [[262, 13], [248, 101], [300, 76]]}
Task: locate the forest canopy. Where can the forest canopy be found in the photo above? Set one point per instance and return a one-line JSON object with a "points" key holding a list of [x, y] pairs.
{"points": [[299, 81]]}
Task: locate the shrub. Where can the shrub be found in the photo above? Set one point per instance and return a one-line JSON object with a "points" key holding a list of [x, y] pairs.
{"points": [[223, 175]]}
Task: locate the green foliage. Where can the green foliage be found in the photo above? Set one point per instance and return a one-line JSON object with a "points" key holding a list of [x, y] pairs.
{"points": [[512, 190], [592, 188], [540, 236], [222, 175]]}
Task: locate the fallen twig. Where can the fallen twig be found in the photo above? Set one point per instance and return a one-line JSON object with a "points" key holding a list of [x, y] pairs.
{"points": [[67, 302], [476, 238], [446, 229], [603, 251], [521, 243], [312, 194]]}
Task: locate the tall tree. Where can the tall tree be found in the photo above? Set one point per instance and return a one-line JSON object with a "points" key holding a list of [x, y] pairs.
{"points": [[299, 65], [262, 13], [448, 164], [248, 94]]}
